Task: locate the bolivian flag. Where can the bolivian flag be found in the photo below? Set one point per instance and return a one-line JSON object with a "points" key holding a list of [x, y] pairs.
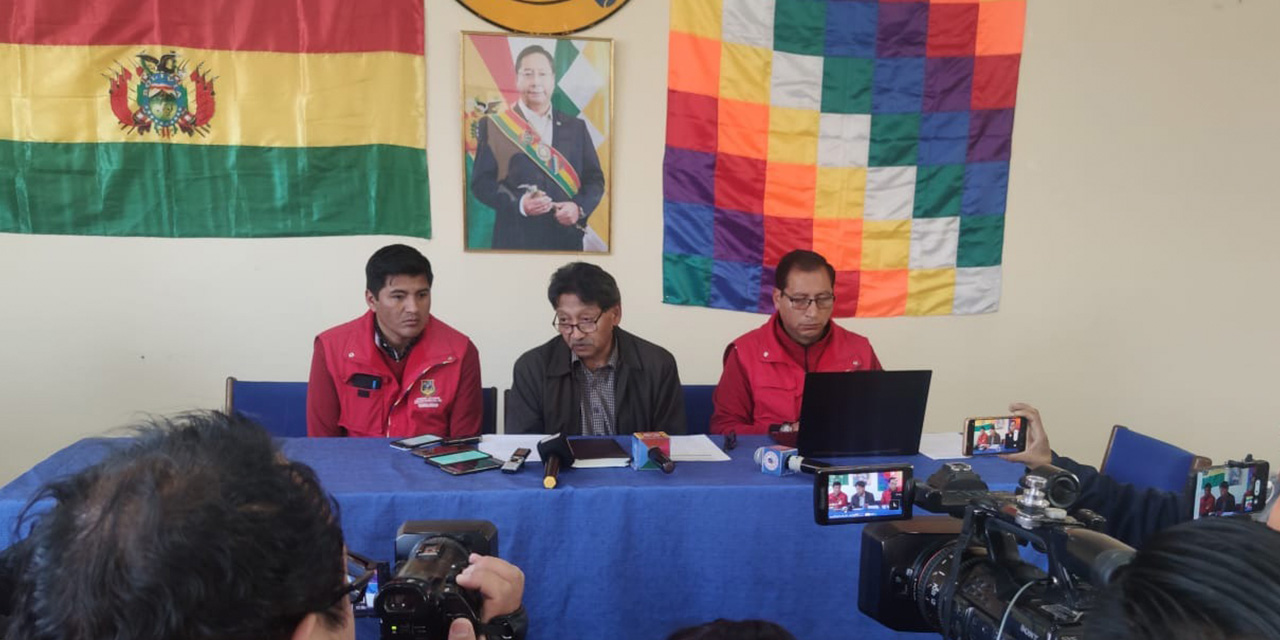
{"points": [[211, 118]]}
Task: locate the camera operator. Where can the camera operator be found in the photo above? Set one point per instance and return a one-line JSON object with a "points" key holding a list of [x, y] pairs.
{"points": [[1132, 514], [199, 528], [1214, 578]]}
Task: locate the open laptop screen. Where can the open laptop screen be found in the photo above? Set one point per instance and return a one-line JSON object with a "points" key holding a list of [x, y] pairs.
{"points": [[863, 413]]}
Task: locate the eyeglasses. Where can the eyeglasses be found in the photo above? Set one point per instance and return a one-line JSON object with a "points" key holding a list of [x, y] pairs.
{"points": [[586, 326], [800, 303]]}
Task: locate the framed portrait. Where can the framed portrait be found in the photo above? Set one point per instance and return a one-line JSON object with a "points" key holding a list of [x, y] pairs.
{"points": [[537, 116]]}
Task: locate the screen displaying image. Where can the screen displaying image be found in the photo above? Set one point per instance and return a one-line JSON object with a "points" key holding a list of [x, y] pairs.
{"points": [[859, 496], [1227, 490], [992, 436], [462, 456]]}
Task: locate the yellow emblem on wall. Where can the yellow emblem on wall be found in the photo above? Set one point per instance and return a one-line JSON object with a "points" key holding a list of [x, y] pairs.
{"points": [[543, 16]]}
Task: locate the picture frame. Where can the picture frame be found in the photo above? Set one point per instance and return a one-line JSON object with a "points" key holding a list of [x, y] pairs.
{"points": [[522, 192]]}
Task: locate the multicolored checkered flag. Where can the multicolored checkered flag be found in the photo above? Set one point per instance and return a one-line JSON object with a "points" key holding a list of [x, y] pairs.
{"points": [[875, 133]]}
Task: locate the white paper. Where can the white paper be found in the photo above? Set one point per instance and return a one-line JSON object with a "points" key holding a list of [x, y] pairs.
{"points": [[502, 446], [941, 446], [697, 448]]}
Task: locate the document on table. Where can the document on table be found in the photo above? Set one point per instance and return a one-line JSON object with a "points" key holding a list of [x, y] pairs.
{"points": [[697, 448], [502, 446], [941, 446]]}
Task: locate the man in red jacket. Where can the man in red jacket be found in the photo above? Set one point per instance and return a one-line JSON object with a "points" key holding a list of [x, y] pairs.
{"points": [[397, 371], [763, 377]]}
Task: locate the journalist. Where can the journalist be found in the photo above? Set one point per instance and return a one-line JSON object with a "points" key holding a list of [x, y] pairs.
{"points": [[199, 529]]}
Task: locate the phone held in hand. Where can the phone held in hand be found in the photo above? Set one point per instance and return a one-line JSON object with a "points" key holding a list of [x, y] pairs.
{"points": [[994, 436]]}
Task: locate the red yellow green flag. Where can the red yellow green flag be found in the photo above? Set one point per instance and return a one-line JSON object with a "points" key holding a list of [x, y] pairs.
{"points": [[222, 118]]}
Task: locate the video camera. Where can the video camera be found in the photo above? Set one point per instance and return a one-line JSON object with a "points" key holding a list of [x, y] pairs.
{"points": [[963, 576], [423, 597]]}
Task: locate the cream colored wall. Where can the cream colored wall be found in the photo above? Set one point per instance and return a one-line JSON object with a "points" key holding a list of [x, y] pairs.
{"points": [[1139, 245]]}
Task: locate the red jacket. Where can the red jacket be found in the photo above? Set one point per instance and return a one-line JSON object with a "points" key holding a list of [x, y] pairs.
{"points": [[763, 378], [439, 391]]}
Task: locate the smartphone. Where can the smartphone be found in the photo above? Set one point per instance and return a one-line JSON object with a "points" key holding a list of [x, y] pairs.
{"points": [[472, 466], [991, 436], [442, 450], [457, 456], [409, 444], [868, 493], [1231, 488]]}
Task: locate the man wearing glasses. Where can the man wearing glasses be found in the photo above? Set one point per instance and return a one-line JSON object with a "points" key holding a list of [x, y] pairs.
{"points": [[594, 378], [763, 377]]}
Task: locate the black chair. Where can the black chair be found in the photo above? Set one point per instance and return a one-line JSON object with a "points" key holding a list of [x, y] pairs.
{"points": [[489, 421]]}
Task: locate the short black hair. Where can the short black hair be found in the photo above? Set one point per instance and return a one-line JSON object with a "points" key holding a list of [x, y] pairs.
{"points": [[861, 483], [734, 630], [801, 260], [395, 260], [532, 49], [589, 282], [1224, 485], [1212, 578], [197, 528]]}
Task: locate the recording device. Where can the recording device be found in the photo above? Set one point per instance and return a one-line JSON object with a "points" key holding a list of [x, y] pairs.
{"points": [[516, 460], [993, 436], [415, 442], [779, 460], [1231, 489], [555, 453], [423, 598], [963, 576], [661, 459], [867, 493]]}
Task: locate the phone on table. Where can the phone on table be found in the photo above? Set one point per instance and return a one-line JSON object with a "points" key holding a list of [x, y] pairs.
{"points": [[444, 449], [992, 436], [1231, 488], [464, 462], [415, 442], [867, 493]]}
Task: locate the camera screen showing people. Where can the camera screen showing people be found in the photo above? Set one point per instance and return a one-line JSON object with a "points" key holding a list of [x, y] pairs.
{"points": [[991, 436], [844, 495], [1231, 488]]}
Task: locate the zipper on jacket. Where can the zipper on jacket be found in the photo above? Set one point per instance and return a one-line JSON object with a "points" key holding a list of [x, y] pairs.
{"points": [[387, 432]]}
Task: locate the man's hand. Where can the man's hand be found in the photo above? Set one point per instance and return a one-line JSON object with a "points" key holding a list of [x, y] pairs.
{"points": [[536, 203], [567, 213], [1038, 452], [501, 586]]}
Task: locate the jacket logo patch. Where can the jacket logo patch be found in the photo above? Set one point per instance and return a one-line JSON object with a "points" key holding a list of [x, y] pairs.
{"points": [[428, 387]]}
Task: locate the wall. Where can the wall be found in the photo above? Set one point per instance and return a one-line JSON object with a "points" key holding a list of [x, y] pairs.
{"points": [[1138, 244]]}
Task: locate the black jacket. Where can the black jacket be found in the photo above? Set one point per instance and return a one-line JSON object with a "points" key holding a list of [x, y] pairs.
{"points": [[1133, 514], [544, 398]]}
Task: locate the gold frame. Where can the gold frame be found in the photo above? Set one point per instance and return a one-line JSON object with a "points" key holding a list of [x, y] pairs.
{"points": [[468, 118]]}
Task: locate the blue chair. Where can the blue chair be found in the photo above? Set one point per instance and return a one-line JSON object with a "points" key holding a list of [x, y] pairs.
{"points": [[1148, 462], [698, 407], [281, 407]]}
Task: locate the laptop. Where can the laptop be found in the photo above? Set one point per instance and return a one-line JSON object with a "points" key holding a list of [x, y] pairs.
{"points": [[863, 413]]}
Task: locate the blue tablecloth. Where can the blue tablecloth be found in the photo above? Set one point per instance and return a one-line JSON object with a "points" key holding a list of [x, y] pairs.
{"points": [[612, 552]]}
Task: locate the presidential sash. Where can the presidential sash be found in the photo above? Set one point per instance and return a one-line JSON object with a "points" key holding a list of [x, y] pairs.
{"points": [[545, 156]]}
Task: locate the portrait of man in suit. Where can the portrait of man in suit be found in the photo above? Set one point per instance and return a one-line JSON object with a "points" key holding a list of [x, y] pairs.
{"points": [[536, 166]]}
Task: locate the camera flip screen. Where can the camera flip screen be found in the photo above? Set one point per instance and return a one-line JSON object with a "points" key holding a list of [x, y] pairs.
{"points": [[993, 436], [847, 495]]}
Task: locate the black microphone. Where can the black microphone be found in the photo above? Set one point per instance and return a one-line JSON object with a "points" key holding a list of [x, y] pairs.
{"points": [[555, 453], [659, 458]]}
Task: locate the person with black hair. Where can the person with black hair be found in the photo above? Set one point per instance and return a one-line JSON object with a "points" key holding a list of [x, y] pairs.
{"points": [[197, 528], [594, 378], [861, 499], [1206, 500], [396, 371], [1210, 579], [763, 377], [536, 166], [734, 630], [1226, 503]]}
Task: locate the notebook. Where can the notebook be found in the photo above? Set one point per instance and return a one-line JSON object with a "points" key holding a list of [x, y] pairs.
{"points": [[863, 413], [597, 452]]}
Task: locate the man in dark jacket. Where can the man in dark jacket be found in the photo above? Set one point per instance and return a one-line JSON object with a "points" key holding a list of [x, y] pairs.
{"points": [[594, 378]]}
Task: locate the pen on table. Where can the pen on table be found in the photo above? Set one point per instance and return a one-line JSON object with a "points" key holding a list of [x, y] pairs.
{"points": [[460, 441]]}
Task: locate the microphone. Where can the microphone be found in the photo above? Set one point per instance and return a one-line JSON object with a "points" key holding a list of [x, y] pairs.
{"points": [[662, 460], [778, 460], [555, 453]]}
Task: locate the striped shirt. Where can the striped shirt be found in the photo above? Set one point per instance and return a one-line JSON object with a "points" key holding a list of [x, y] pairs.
{"points": [[596, 389]]}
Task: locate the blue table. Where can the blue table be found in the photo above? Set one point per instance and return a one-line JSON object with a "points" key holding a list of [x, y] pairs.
{"points": [[612, 552]]}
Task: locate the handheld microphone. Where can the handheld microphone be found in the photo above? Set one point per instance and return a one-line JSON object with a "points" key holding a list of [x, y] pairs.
{"points": [[662, 460], [555, 453], [778, 460]]}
